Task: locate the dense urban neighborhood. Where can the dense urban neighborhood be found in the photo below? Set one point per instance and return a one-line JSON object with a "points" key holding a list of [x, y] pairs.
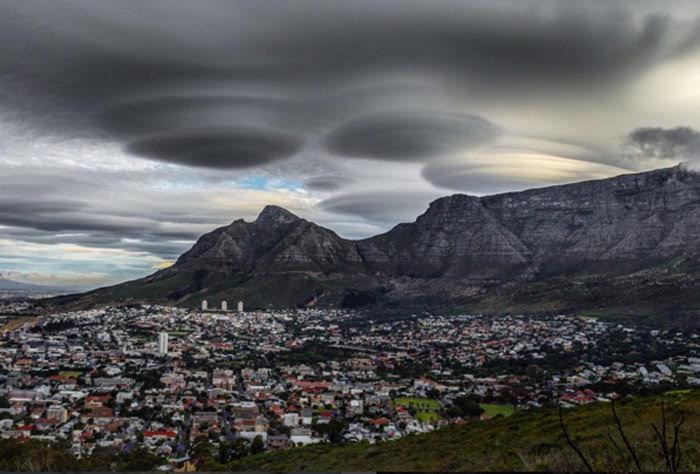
{"points": [[189, 385]]}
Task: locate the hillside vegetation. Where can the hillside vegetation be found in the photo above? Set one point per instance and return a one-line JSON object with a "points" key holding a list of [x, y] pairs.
{"points": [[527, 440]]}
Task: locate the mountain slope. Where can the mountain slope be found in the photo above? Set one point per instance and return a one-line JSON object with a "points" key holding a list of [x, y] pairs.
{"points": [[7, 284], [625, 244]]}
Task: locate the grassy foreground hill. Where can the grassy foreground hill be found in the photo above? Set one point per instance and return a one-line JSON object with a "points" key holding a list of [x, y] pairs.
{"points": [[528, 440]]}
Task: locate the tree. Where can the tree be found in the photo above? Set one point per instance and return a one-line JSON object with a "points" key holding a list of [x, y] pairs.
{"points": [[240, 448], [433, 393], [534, 373], [468, 406], [332, 431], [257, 446]]}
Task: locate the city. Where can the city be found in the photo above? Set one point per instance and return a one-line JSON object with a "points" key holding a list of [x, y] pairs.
{"points": [[183, 383]]}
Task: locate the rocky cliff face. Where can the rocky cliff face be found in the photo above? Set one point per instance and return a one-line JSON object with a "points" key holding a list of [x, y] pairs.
{"points": [[624, 223], [546, 248]]}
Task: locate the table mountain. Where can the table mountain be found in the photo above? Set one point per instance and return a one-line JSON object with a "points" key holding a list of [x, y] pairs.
{"points": [[627, 244]]}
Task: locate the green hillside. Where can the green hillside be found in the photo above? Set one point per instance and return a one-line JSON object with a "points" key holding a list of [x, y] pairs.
{"points": [[527, 440]]}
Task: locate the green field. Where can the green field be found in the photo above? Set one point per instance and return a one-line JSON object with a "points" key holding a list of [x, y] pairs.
{"points": [[492, 410], [70, 373], [427, 409]]}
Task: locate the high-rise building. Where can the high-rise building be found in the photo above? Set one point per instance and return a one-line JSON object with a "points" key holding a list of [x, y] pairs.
{"points": [[163, 343], [240, 306], [205, 305], [224, 305]]}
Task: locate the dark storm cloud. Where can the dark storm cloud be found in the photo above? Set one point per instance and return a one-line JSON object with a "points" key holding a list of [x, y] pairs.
{"points": [[155, 114], [123, 70], [664, 143], [510, 48], [409, 135], [218, 148], [380, 207]]}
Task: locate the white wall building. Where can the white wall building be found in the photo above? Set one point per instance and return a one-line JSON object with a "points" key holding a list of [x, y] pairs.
{"points": [[224, 305], [240, 306], [205, 305], [163, 343], [291, 419]]}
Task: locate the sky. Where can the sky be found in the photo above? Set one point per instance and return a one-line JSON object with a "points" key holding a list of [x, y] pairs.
{"points": [[130, 128]]}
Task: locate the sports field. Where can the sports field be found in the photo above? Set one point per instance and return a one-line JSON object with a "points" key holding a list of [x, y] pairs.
{"points": [[427, 409]]}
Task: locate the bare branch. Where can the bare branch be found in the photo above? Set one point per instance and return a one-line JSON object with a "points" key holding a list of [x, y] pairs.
{"points": [[624, 438], [676, 452], [571, 443], [619, 451], [664, 447]]}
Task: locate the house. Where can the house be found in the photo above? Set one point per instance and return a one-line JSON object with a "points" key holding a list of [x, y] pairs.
{"points": [[276, 443], [95, 401], [100, 415], [37, 413], [307, 415], [381, 421], [325, 417], [152, 437], [58, 413], [23, 364], [302, 437], [17, 409], [262, 424]]}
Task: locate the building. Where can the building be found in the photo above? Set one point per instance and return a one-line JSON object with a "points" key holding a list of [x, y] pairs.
{"points": [[291, 419], [58, 413], [163, 343], [205, 305], [240, 306], [224, 305]]}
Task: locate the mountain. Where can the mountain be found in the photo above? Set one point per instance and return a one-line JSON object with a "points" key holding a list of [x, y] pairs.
{"points": [[627, 244], [9, 285]]}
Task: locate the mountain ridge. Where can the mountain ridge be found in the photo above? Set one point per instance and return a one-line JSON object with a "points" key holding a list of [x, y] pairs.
{"points": [[528, 249]]}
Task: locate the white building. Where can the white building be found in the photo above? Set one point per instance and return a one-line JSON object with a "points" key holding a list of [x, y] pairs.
{"points": [[224, 305], [240, 306], [163, 343], [205, 305], [291, 419]]}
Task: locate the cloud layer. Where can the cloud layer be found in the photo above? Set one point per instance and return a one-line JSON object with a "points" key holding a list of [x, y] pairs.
{"points": [[408, 135], [136, 126], [218, 148]]}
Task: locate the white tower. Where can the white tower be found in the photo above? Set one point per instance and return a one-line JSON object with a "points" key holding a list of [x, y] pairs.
{"points": [[163, 343], [224, 305], [205, 305], [240, 306]]}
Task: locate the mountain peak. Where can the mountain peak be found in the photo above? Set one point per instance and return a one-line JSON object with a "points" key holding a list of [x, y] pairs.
{"points": [[275, 215], [618, 236]]}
